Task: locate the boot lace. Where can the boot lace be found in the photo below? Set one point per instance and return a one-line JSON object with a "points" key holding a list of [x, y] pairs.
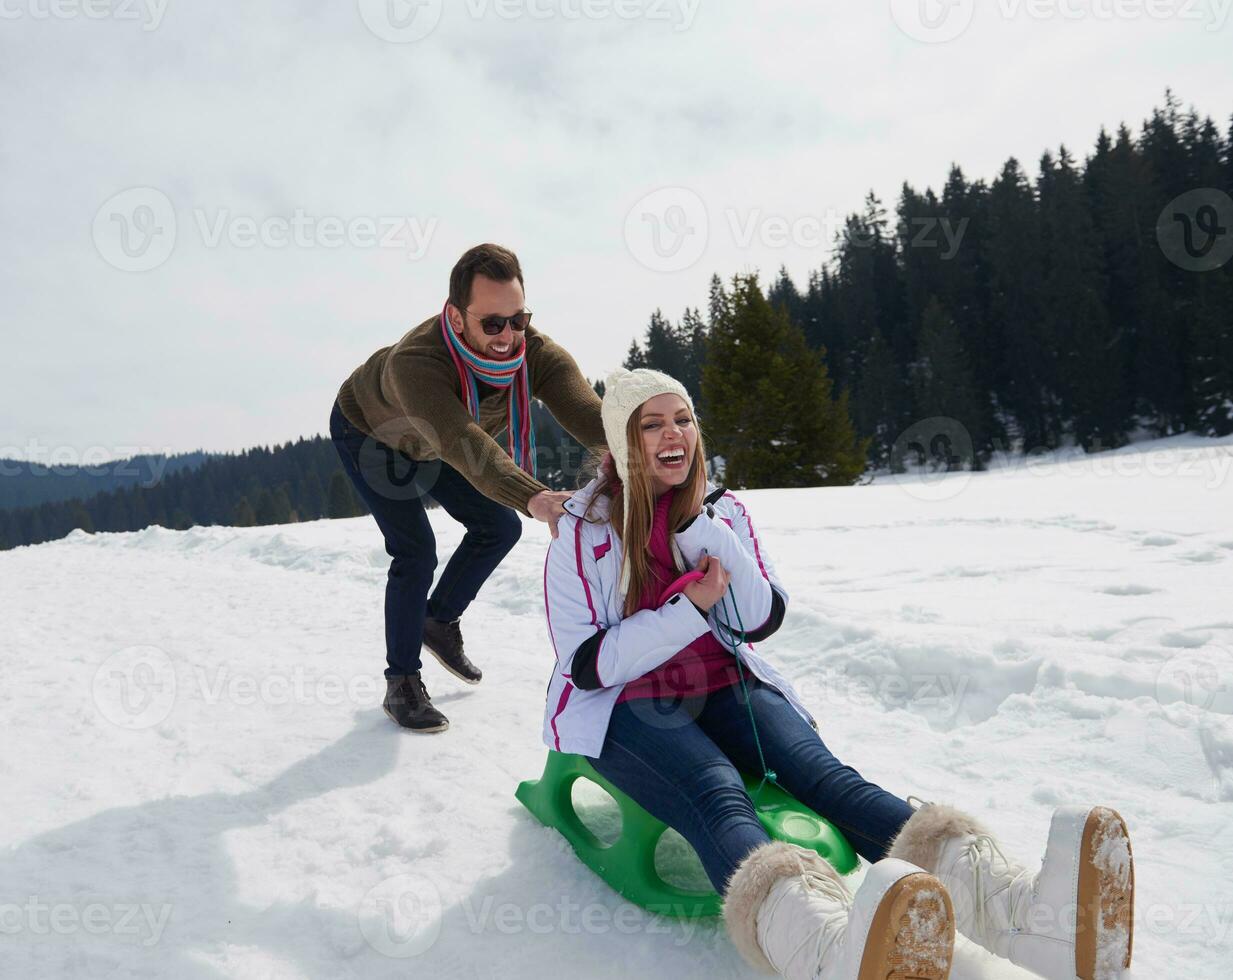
{"points": [[832, 920], [412, 691], [453, 630], [1018, 883]]}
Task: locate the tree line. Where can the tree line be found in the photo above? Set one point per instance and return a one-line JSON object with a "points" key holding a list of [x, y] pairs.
{"points": [[1087, 306], [28, 483], [281, 484], [296, 481]]}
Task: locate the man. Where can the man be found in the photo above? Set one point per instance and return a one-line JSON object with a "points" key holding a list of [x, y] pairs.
{"points": [[419, 418]]}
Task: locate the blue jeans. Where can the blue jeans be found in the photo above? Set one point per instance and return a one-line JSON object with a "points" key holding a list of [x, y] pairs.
{"points": [[679, 760], [393, 485]]}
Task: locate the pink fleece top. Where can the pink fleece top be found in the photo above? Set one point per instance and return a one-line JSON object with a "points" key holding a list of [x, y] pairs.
{"points": [[700, 668]]}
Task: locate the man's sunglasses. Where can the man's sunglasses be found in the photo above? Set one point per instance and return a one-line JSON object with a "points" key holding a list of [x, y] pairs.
{"points": [[494, 324]]}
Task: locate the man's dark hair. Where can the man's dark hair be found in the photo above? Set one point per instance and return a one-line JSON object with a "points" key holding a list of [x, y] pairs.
{"points": [[491, 261]]}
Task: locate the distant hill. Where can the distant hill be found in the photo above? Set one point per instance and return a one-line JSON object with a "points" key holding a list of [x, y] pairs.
{"points": [[28, 484], [297, 481]]}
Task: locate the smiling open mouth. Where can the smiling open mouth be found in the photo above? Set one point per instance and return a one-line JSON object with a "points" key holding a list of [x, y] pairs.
{"points": [[673, 459]]}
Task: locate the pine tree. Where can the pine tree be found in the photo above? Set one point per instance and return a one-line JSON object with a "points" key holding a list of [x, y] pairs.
{"points": [[783, 292], [79, 518], [1208, 302], [663, 353], [963, 278], [691, 338], [771, 413], [312, 506], [137, 509], [879, 410], [870, 295], [1161, 352], [717, 303], [1115, 188], [820, 309], [1076, 328], [635, 358], [942, 381], [1013, 257], [281, 505], [342, 500], [35, 531], [244, 515], [116, 515], [265, 508]]}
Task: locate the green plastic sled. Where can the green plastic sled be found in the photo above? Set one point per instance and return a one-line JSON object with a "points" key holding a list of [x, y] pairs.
{"points": [[628, 865]]}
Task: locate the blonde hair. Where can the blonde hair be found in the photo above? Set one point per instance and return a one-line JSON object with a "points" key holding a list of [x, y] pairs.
{"points": [[638, 496]]}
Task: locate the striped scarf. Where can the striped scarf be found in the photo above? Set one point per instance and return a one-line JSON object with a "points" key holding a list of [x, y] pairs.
{"points": [[511, 374]]}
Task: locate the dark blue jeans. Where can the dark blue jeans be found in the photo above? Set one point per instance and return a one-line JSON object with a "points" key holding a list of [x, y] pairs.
{"points": [[679, 760], [393, 485]]}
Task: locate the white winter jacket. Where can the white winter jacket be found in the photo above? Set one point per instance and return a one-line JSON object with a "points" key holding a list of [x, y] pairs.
{"points": [[581, 579]]}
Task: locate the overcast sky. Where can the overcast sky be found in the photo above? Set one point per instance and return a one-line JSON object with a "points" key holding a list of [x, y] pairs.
{"points": [[213, 212]]}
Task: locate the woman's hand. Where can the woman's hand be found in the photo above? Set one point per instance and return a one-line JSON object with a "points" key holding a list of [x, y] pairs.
{"points": [[709, 589]]}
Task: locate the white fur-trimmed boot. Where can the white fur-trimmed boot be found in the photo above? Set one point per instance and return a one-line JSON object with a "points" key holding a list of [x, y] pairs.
{"points": [[1072, 918], [788, 911]]}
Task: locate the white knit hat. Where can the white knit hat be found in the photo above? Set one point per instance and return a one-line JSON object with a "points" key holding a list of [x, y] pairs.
{"points": [[624, 392]]}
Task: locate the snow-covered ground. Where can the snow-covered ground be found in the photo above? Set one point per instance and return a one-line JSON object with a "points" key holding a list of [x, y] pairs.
{"points": [[199, 781]]}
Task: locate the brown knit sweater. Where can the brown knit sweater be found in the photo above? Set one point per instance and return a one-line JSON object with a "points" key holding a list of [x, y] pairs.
{"points": [[408, 396]]}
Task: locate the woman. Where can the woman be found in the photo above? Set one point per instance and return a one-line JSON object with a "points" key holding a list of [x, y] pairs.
{"points": [[652, 695]]}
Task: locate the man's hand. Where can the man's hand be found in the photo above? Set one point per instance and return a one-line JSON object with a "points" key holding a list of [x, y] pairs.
{"points": [[709, 589], [548, 506]]}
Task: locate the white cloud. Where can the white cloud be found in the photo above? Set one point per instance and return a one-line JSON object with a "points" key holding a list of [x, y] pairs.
{"points": [[540, 132]]}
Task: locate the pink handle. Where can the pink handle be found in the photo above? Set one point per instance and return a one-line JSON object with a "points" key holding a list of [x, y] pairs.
{"points": [[679, 585]]}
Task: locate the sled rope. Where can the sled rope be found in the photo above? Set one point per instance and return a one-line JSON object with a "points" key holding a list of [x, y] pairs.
{"points": [[729, 637]]}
